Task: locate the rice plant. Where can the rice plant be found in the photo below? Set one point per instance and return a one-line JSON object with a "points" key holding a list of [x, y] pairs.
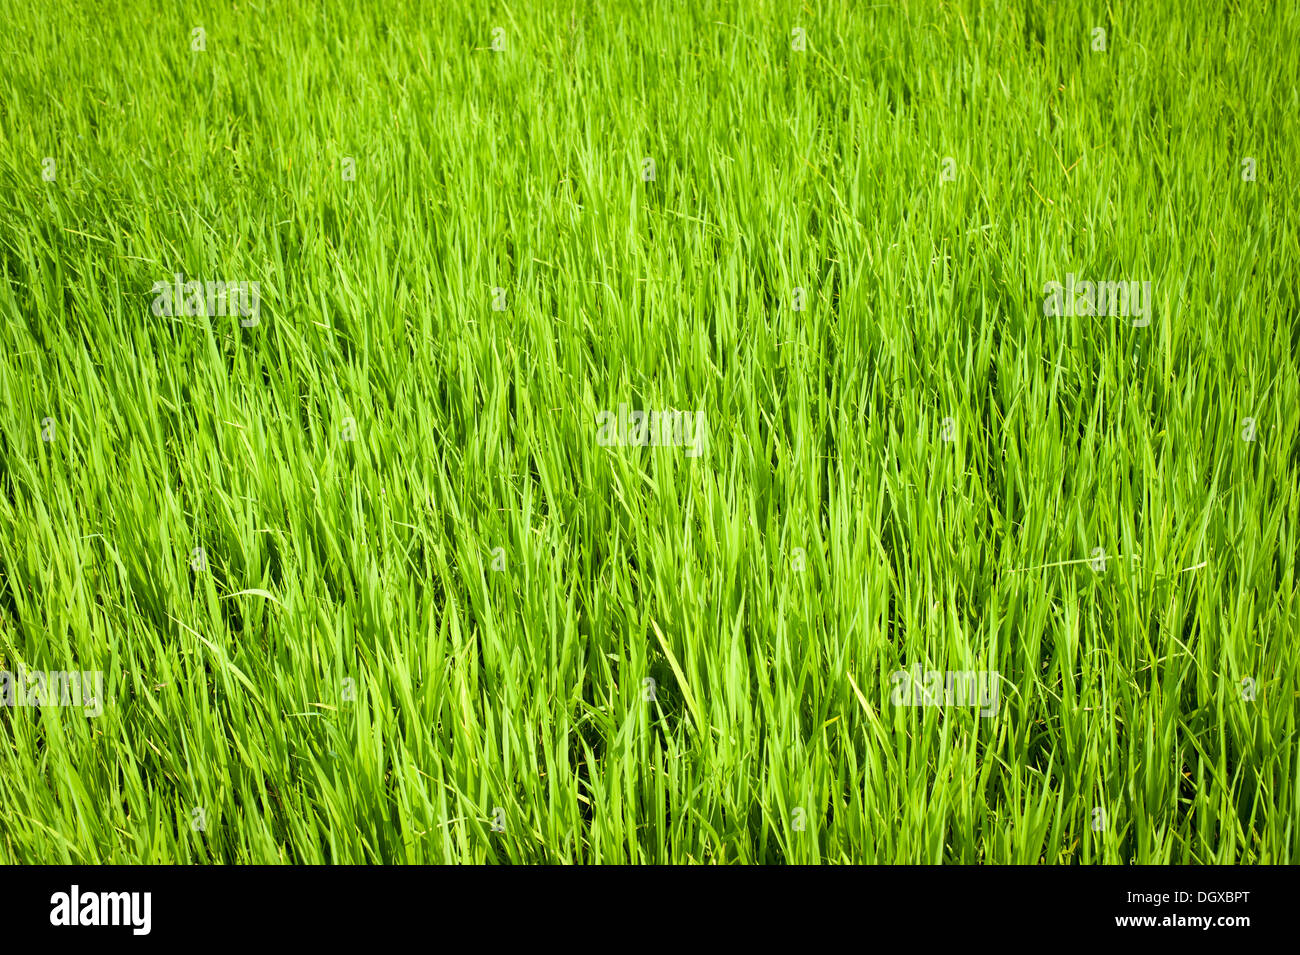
{"points": [[649, 432]]}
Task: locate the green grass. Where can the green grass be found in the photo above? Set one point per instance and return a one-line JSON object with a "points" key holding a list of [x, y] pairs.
{"points": [[365, 568]]}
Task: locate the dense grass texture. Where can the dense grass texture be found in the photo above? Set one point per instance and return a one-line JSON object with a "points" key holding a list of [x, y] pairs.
{"points": [[364, 585]]}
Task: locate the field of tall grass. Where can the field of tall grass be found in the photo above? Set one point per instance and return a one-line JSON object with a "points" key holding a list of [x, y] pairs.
{"points": [[964, 529]]}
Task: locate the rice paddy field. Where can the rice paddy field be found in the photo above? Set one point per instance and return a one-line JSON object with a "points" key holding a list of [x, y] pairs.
{"points": [[649, 432]]}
